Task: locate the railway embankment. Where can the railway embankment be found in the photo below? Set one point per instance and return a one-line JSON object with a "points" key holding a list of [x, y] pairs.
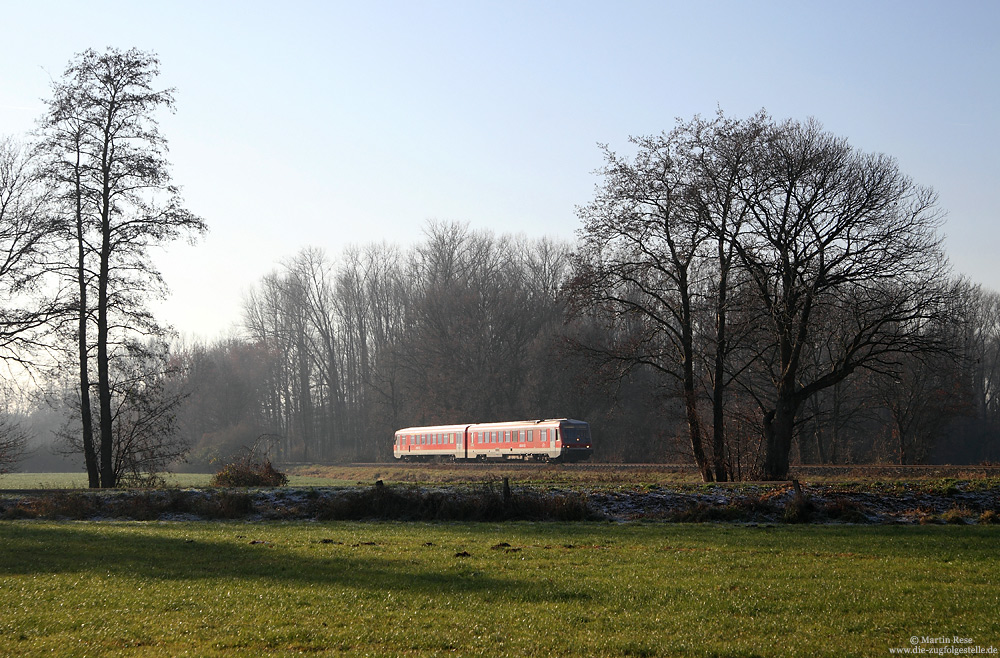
{"points": [[923, 502]]}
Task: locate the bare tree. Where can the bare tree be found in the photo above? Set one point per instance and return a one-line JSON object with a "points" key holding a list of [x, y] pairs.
{"points": [[658, 260], [837, 241], [13, 442], [638, 267], [27, 226], [111, 159]]}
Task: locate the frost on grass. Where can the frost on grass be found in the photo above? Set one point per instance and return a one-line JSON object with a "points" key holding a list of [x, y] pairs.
{"points": [[960, 502]]}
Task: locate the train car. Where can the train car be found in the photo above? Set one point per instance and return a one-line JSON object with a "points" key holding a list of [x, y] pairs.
{"points": [[434, 443], [560, 439]]}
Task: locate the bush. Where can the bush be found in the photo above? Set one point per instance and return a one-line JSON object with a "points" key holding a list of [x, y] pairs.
{"points": [[798, 510], [956, 515], [249, 473], [845, 510]]}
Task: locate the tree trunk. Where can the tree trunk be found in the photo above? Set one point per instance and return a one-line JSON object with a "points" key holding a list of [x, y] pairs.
{"points": [[718, 386], [688, 383], [86, 412], [103, 284], [694, 429], [778, 430], [103, 365]]}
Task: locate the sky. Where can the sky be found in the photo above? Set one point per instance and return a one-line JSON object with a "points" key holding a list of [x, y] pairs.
{"points": [[330, 124]]}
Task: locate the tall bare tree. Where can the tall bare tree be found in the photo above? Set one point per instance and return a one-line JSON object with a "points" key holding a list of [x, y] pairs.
{"points": [[639, 268], [658, 259], [112, 158]]}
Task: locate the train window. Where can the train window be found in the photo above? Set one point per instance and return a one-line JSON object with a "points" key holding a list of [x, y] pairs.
{"points": [[531, 436], [522, 436]]}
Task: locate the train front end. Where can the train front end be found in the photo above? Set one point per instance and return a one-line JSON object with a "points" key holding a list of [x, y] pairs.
{"points": [[575, 440]]}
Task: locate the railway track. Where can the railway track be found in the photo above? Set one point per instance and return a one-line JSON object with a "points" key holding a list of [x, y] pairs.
{"points": [[804, 470]]}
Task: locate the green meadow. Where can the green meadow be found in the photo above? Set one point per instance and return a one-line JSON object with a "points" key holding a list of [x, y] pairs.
{"points": [[485, 589]]}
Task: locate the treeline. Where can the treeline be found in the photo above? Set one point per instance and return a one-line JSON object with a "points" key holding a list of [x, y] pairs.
{"points": [[743, 294], [338, 352]]}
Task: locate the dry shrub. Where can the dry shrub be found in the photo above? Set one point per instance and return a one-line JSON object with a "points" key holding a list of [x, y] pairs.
{"points": [[989, 517], [249, 473], [702, 512], [957, 515], [233, 505], [845, 510], [798, 509], [483, 503], [59, 506]]}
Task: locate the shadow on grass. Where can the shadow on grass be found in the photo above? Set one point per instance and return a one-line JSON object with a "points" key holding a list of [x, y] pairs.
{"points": [[28, 548]]}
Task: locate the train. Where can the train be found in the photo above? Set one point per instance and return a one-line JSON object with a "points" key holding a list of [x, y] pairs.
{"points": [[546, 440]]}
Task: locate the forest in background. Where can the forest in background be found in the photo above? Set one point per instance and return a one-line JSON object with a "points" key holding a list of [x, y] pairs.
{"points": [[742, 293], [468, 326]]}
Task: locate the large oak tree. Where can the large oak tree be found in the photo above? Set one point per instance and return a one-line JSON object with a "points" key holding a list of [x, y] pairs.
{"points": [[834, 250]]}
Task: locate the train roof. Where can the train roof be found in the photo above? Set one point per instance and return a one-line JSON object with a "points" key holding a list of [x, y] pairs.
{"points": [[434, 428], [540, 421], [508, 423]]}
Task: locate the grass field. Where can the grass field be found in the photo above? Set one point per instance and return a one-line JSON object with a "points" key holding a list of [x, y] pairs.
{"points": [[79, 480], [519, 589], [589, 475]]}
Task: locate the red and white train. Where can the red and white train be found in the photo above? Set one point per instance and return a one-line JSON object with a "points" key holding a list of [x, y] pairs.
{"points": [[560, 439]]}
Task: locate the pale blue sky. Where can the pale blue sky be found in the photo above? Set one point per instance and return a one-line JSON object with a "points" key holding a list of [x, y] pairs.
{"points": [[334, 123]]}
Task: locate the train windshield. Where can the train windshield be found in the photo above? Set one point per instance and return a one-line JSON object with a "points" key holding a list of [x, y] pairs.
{"points": [[576, 433]]}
